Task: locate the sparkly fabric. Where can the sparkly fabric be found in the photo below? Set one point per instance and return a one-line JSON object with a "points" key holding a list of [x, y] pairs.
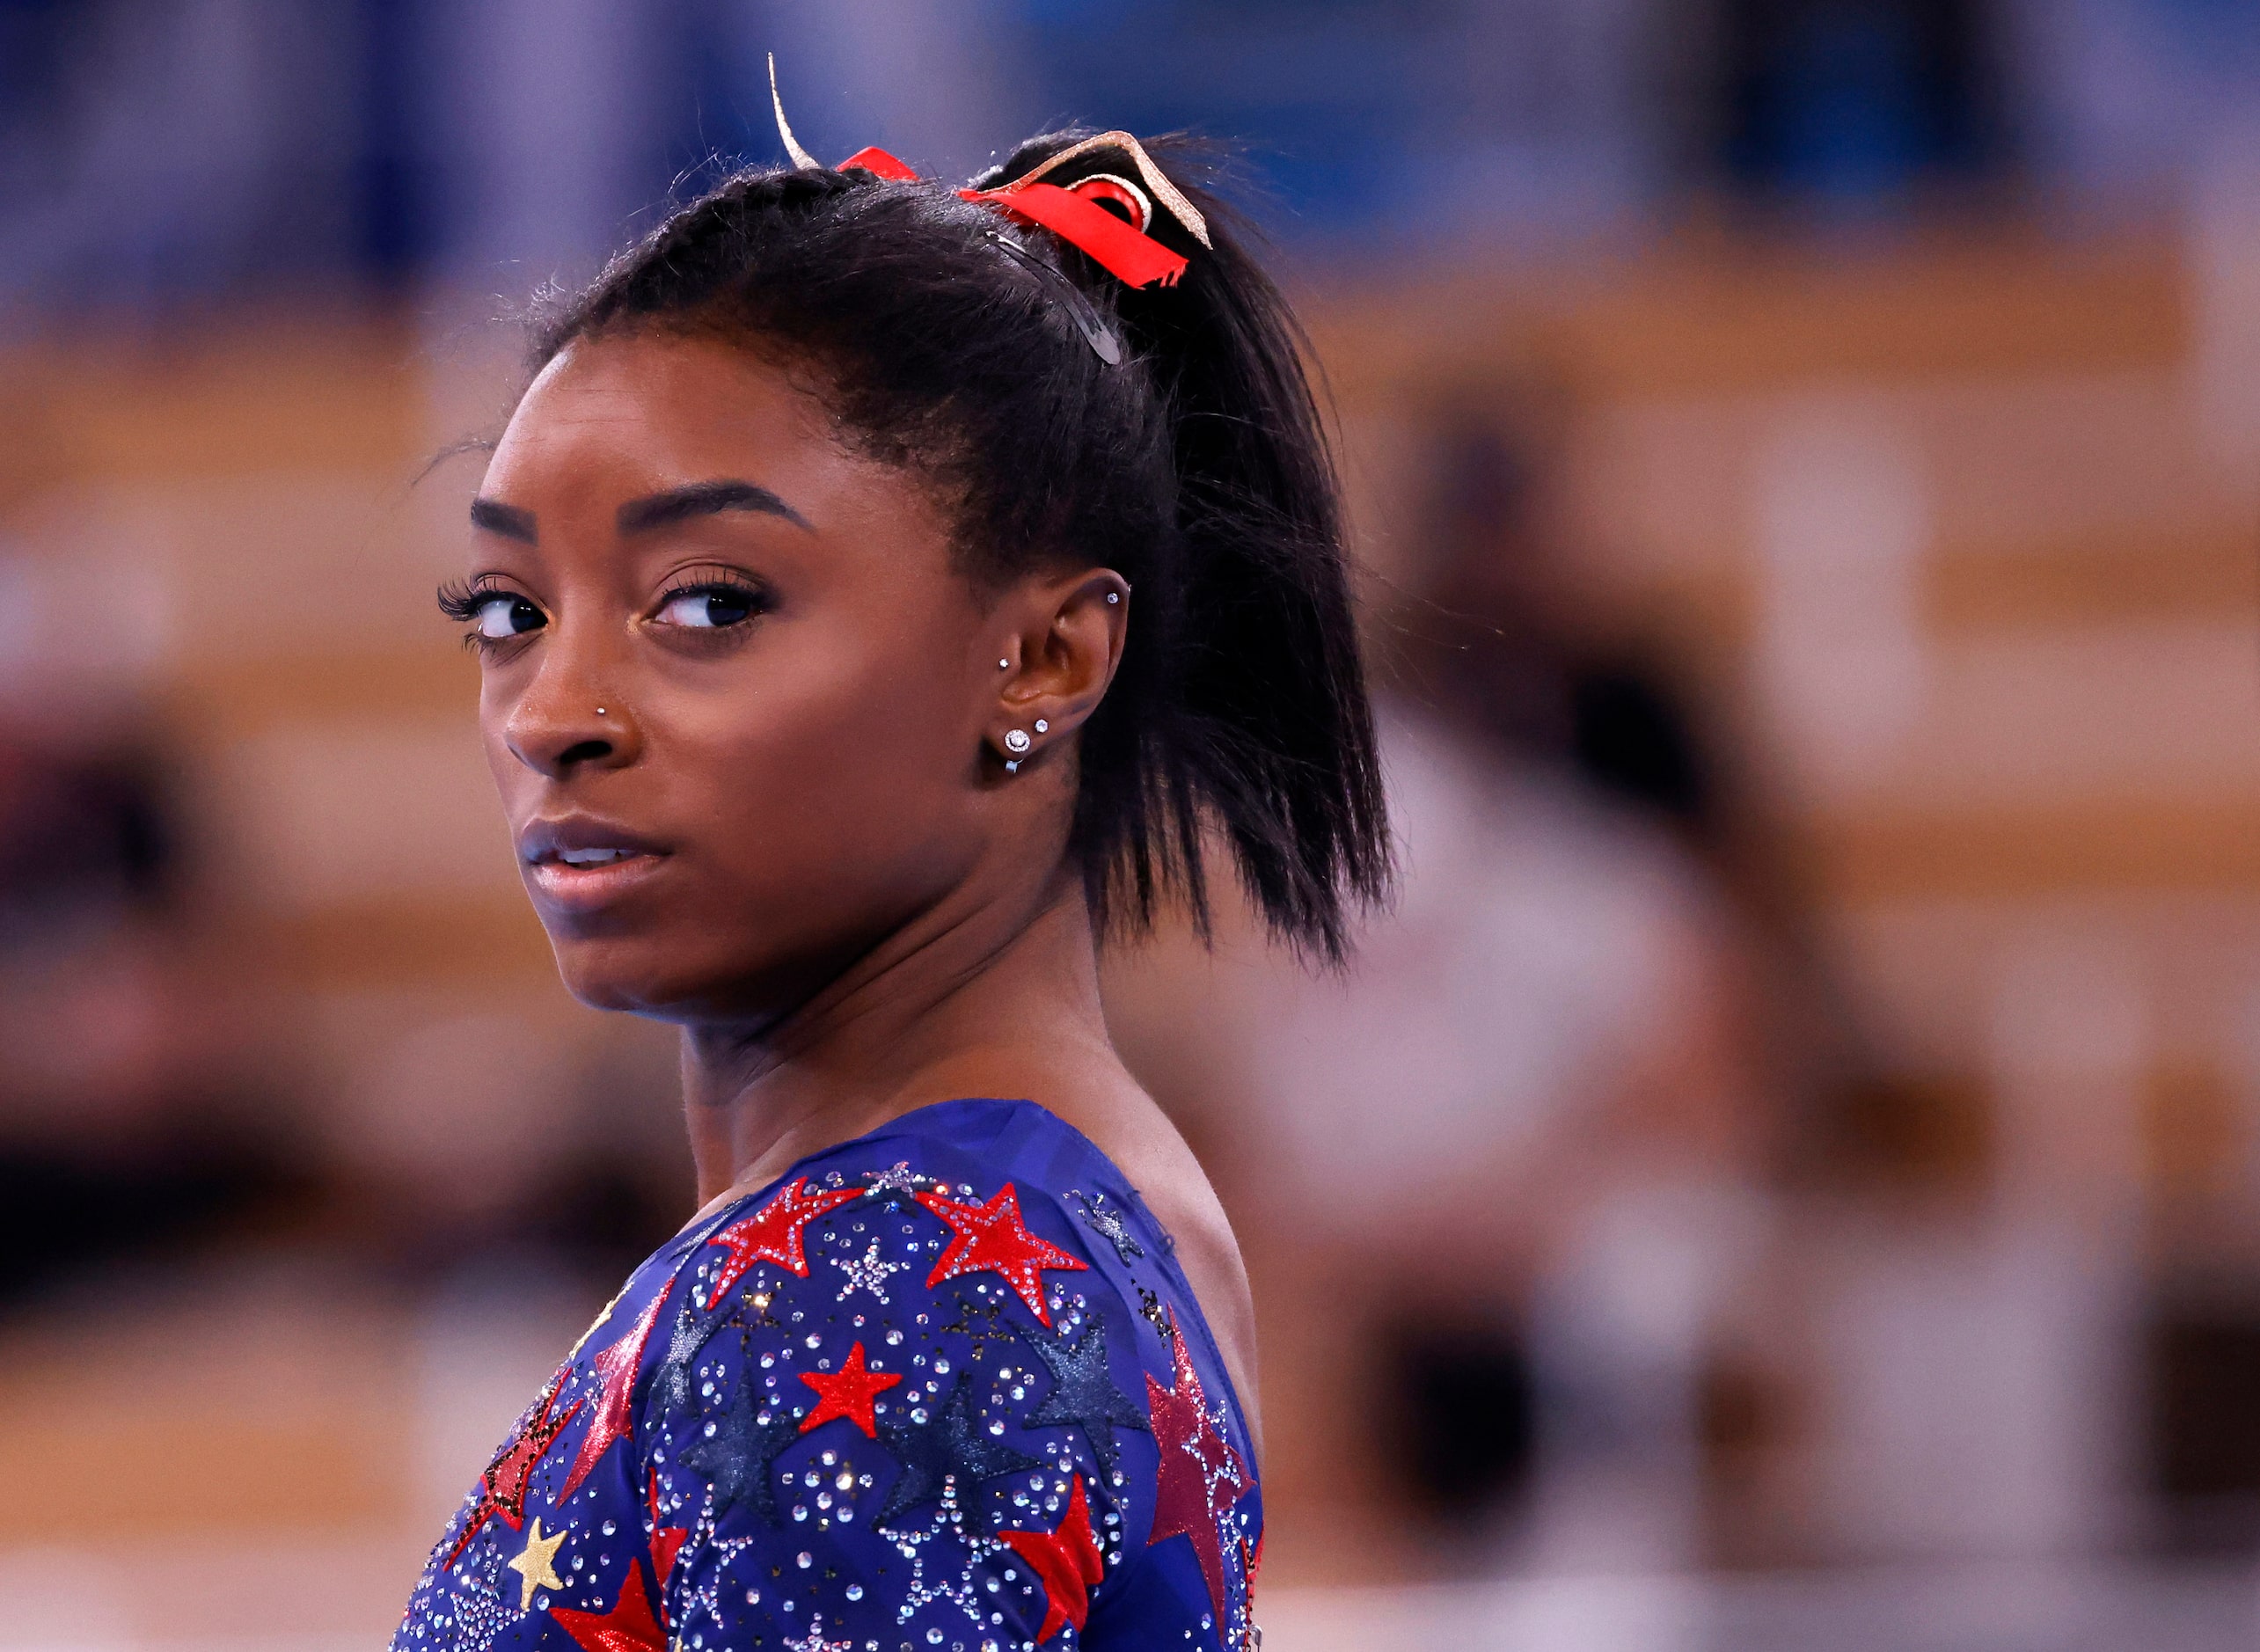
{"points": [[939, 1389]]}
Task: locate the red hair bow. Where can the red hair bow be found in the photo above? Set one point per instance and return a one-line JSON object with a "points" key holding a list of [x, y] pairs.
{"points": [[1077, 213], [1117, 245], [1073, 214]]}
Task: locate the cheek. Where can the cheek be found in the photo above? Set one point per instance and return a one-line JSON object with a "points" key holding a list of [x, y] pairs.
{"points": [[510, 775], [849, 743]]}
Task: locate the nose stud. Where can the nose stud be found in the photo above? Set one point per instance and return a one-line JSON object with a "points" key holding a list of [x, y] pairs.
{"points": [[600, 711]]}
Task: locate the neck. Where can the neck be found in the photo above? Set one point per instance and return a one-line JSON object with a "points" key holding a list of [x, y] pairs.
{"points": [[996, 1004]]}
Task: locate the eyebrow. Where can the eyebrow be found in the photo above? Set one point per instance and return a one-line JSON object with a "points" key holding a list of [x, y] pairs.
{"points": [[703, 498], [507, 520]]}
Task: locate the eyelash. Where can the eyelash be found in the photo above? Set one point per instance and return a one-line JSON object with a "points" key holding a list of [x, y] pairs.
{"points": [[756, 599], [461, 600]]}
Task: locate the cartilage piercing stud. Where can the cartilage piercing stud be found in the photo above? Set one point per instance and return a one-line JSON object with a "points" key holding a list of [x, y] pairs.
{"points": [[1003, 665], [1114, 597]]}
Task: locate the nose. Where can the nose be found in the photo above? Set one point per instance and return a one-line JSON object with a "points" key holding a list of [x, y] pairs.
{"points": [[564, 723]]}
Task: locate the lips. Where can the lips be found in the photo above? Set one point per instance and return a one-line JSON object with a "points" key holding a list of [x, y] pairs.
{"points": [[604, 857], [578, 860]]}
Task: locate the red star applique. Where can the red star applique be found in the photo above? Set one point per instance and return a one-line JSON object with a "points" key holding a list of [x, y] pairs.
{"points": [[1196, 1462], [847, 1392], [773, 1233], [502, 1487], [1065, 1561], [616, 1381], [628, 1628], [666, 1541], [991, 1238]]}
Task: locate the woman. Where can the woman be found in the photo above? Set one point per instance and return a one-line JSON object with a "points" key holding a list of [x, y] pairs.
{"points": [[884, 593]]}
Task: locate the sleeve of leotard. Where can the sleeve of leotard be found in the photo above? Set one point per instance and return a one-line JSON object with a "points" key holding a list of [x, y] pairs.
{"points": [[890, 1409]]}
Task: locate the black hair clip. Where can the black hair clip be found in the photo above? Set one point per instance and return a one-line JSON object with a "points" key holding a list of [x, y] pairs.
{"points": [[1101, 338]]}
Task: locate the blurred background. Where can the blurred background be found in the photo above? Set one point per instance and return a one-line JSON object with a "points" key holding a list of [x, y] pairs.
{"points": [[1787, 1173]]}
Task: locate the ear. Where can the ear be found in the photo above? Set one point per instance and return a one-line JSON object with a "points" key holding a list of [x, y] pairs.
{"points": [[1062, 639]]}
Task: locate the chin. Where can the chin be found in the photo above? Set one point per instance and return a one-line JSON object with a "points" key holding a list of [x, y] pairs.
{"points": [[641, 952], [736, 955], [638, 976], [673, 977]]}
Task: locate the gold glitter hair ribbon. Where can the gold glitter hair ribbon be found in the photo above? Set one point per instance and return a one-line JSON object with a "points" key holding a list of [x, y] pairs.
{"points": [[1105, 215]]}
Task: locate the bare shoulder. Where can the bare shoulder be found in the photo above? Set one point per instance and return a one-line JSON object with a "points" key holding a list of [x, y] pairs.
{"points": [[1131, 1129]]}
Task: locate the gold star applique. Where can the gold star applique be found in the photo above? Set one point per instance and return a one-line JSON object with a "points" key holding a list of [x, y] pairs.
{"points": [[536, 1567]]}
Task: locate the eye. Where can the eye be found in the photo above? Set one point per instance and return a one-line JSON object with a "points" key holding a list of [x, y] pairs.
{"points": [[493, 614], [708, 606], [503, 615]]}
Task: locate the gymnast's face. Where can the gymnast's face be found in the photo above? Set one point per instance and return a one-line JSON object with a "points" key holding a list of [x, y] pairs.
{"points": [[740, 703]]}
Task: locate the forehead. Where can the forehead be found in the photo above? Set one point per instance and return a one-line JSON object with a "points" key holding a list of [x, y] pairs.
{"points": [[617, 417]]}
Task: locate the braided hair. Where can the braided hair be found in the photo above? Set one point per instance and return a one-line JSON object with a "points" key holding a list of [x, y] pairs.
{"points": [[943, 338]]}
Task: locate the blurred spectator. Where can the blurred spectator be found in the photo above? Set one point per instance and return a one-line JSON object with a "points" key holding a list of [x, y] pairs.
{"points": [[149, 1089], [128, 1123], [1516, 1141]]}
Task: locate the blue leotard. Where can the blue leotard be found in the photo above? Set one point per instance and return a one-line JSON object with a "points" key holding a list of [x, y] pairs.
{"points": [[942, 1388]]}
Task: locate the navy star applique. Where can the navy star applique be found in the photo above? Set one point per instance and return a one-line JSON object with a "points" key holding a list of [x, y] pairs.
{"points": [[1083, 1394], [954, 1443], [735, 1457], [1107, 1220], [671, 1383]]}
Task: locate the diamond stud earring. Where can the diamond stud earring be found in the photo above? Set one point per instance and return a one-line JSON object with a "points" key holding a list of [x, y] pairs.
{"points": [[1042, 725], [1017, 741]]}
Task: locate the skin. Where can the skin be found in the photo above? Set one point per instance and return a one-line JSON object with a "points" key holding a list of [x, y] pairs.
{"points": [[836, 890]]}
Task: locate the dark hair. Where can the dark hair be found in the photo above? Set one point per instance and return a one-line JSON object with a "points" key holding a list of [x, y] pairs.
{"points": [[951, 342]]}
